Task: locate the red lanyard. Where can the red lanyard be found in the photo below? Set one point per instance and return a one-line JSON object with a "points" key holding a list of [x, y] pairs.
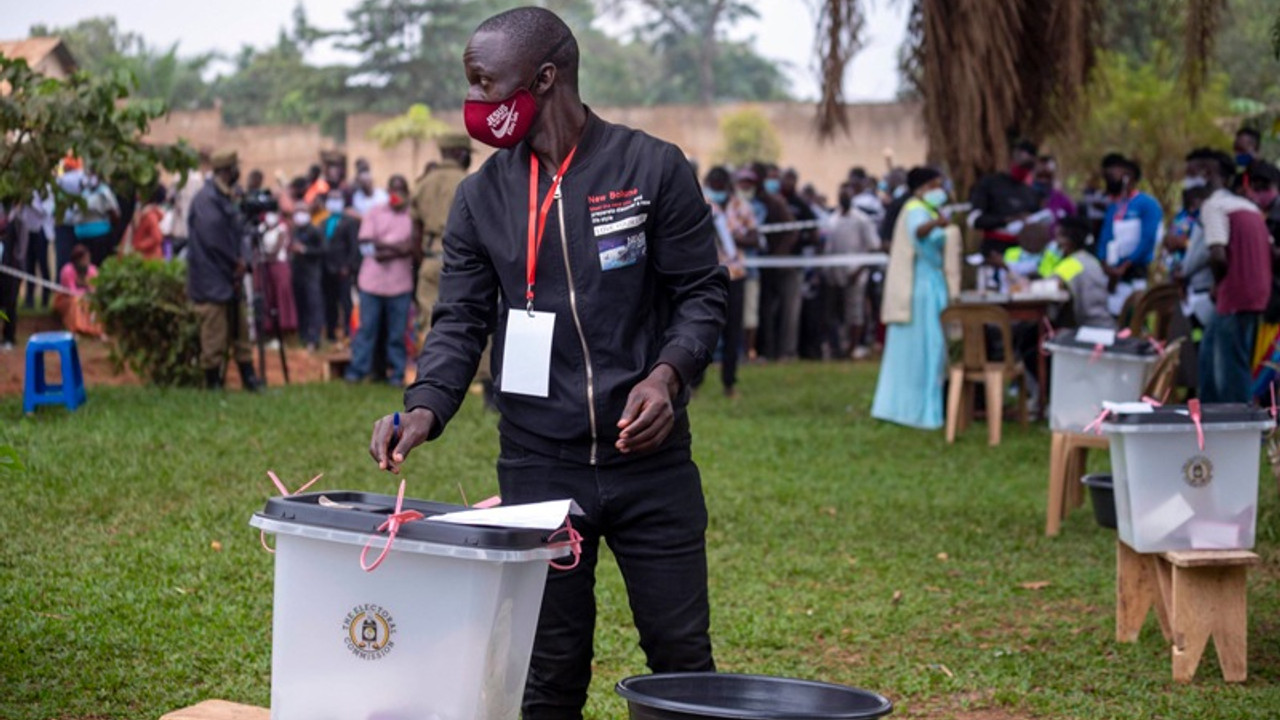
{"points": [[538, 217]]}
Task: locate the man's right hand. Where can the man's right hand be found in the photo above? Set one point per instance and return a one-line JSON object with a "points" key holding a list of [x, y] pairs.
{"points": [[390, 451]]}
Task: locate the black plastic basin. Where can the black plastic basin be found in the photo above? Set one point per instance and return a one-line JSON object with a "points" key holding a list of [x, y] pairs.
{"points": [[1103, 496], [687, 696]]}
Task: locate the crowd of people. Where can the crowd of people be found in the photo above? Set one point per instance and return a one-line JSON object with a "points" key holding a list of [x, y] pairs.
{"points": [[331, 260], [348, 263], [1219, 250]]}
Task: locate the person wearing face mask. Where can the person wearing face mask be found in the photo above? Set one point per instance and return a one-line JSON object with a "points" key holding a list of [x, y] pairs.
{"points": [[775, 283], [1003, 200], [1130, 232], [1240, 258], [850, 231], [743, 213], [716, 187], [366, 195], [385, 284], [341, 257], [1245, 146], [216, 264], [909, 388], [597, 245], [94, 223], [306, 265]]}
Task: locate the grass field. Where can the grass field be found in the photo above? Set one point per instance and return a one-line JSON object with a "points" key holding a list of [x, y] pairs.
{"points": [[841, 549]]}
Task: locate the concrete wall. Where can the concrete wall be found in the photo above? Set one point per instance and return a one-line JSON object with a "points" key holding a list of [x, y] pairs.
{"points": [[874, 129]]}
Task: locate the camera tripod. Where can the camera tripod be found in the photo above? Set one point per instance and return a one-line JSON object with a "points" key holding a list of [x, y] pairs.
{"points": [[264, 306]]}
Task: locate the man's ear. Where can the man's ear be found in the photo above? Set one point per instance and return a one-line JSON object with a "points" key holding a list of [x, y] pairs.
{"points": [[545, 78]]}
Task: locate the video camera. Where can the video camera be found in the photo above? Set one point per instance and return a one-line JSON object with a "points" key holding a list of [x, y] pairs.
{"points": [[258, 203]]}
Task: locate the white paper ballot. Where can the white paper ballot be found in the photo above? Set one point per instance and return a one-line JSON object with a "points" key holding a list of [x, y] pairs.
{"points": [[1096, 336], [1161, 522], [1207, 535], [547, 515], [1127, 408], [526, 355]]}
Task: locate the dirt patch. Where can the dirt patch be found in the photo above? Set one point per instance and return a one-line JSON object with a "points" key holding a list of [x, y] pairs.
{"points": [[99, 371]]}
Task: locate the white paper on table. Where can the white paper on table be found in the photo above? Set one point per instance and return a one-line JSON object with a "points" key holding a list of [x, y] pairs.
{"points": [[547, 515], [1044, 217], [974, 259], [1172, 514], [1105, 337], [1127, 408], [1047, 286], [1207, 535]]}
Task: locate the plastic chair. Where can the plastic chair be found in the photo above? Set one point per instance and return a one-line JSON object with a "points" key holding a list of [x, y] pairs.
{"points": [[1162, 302], [37, 390], [975, 368]]}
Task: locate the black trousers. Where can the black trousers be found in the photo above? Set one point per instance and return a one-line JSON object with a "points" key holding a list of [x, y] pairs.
{"points": [[732, 336], [38, 265], [652, 513], [337, 304]]}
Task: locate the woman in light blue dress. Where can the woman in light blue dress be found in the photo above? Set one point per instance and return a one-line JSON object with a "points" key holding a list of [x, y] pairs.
{"points": [[909, 389]]}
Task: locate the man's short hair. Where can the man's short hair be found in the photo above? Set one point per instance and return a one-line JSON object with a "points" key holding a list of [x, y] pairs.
{"points": [[1262, 174], [717, 175], [1249, 131], [540, 36], [1129, 165], [1226, 165], [1076, 229], [1027, 147]]}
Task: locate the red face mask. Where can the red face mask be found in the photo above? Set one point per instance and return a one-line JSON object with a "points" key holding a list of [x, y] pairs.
{"points": [[501, 124], [504, 123], [395, 200]]}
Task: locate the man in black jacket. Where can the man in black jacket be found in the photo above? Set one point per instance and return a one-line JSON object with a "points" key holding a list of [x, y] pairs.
{"points": [[1002, 200], [216, 265], [599, 332]]}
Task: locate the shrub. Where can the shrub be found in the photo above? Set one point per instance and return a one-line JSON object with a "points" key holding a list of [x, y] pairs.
{"points": [[142, 305], [747, 136]]}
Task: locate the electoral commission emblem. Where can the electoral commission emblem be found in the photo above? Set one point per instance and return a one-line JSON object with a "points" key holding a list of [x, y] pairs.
{"points": [[1198, 471], [368, 630]]}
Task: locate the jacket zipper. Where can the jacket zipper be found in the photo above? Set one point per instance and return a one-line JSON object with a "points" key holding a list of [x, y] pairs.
{"points": [[573, 307]]}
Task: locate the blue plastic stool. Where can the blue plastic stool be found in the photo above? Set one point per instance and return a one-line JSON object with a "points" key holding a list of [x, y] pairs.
{"points": [[39, 392]]}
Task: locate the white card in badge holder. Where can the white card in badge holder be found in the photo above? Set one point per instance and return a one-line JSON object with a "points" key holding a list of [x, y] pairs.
{"points": [[526, 354]]}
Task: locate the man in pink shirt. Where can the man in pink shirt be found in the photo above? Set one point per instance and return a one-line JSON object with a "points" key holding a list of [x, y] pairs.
{"points": [[1240, 257], [385, 283]]}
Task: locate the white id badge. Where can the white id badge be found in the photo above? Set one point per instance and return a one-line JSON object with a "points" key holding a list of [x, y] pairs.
{"points": [[526, 354]]}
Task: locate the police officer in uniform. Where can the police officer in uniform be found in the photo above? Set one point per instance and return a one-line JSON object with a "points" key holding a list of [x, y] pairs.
{"points": [[432, 197]]}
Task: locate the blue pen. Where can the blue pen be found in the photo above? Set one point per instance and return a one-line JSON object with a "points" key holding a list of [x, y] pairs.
{"points": [[395, 427]]}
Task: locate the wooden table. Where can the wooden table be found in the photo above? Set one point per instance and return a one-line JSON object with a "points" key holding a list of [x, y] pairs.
{"points": [[1026, 307]]}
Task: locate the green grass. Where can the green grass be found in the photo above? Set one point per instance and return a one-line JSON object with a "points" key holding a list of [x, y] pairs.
{"points": [[114, 604]]}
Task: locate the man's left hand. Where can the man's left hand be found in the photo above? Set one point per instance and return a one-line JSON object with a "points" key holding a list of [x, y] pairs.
{"points": [[648, 417]]}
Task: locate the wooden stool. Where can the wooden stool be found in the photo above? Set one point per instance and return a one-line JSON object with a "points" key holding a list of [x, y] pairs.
{"points": [[1197, 594], [335, 366], [975, 368], [219, 710], [1068, 457]]}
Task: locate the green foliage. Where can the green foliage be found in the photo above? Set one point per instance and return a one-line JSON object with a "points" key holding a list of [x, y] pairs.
{"points": [[416, 126], [1142, 111], [99, 46], [747, 136], [142, 305], [92, 116]]}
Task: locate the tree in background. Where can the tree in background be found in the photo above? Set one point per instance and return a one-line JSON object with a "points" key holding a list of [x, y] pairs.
{"points": [[92, 116], [416, 126], [1141, 109], [838, 40], [99, 46], [687, 35], [747, 136]]}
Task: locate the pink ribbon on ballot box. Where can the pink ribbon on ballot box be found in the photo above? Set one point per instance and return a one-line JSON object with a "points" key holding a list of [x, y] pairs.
{"points": [[392, 527], [284, 492]]}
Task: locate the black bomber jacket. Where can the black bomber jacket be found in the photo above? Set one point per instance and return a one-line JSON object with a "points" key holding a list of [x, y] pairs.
{"points": [[627, 264]]}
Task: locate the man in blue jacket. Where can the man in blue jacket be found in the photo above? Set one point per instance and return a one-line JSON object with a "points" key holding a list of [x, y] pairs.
{"points": [[1130, 230], [594, 243]]}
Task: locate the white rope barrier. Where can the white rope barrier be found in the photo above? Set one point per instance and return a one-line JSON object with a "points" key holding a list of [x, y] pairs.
{"points": [[37, 281], [852, 261]]}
